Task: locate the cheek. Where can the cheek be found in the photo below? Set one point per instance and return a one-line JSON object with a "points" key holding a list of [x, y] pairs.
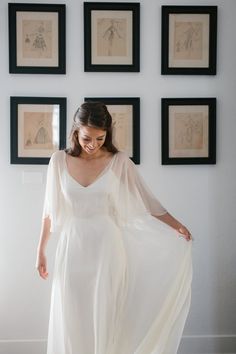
{"points": [[83, 142], [80, 141]]}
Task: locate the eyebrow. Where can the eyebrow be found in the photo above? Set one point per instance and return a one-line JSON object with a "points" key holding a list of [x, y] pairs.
{"points": [[102, 136]]}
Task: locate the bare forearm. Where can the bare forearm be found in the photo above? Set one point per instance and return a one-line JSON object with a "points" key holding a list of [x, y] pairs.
{"points": [[44, 235], [172, 222], [41, 260], [169, 220]]}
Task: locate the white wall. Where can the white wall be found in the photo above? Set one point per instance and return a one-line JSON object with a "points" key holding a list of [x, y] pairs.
{"points": [[203, 197]]}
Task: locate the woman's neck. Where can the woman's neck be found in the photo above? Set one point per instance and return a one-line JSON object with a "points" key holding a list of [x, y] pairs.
{"points": [[100, 153]]}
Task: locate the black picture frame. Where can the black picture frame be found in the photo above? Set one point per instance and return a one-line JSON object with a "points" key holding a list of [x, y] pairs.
{"points": [[37, 38], [131, 110], [104, 56], [188, 131], [189, 40], [38, 128]]}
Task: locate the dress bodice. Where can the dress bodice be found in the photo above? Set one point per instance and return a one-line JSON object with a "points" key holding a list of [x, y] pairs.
{"points": [[88, 201], [118, 190]]}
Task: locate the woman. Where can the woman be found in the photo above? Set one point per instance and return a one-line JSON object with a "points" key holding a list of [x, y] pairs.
{"points": [[122, 278]]}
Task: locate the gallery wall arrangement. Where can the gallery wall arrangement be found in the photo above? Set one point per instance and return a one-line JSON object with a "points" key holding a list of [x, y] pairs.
{"points": [[37, 45]]}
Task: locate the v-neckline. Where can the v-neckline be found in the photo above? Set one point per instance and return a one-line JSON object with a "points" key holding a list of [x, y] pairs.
{"points": [[96, 178]]}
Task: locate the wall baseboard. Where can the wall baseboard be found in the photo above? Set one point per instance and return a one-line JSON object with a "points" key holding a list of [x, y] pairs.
{"points": [[207, 344], [33, 346]]}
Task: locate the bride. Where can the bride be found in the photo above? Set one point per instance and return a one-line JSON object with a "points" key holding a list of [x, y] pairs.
{"points": [[123, 269]]}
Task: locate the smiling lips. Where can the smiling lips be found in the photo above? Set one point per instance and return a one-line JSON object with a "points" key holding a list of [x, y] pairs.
{"points": [[90, 149]]}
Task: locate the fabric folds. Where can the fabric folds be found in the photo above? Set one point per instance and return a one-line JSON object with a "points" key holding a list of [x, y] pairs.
{"points": [[122, 278]]}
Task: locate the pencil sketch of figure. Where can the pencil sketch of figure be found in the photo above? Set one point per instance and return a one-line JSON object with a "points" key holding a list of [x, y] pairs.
{"points": [[114, 130], [37, 39], [28, 141], [39, 42], [27, 39], [38, 130], [188, 40], [122, 129], [112, 34], [189, 130], [119, 130], [42, 136]]}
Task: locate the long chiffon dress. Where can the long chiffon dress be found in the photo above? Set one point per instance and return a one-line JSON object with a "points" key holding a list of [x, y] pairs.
{"points": [[122, 278]]}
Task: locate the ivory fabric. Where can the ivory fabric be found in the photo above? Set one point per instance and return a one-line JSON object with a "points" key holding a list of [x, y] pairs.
{"points": [[122, 278]]}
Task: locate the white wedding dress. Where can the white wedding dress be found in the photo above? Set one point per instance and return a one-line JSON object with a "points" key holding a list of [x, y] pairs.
{"points": [[122, 278]]}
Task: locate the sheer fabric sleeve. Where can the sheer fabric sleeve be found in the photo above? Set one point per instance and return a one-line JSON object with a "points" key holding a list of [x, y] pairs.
{"points": [[134, 197], [52, 200]]}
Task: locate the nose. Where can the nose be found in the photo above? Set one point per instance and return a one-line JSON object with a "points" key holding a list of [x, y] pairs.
{"points": [[93, 144]]}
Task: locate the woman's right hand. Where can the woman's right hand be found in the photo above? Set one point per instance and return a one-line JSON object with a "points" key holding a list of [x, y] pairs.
{"points": [[41, 265]]}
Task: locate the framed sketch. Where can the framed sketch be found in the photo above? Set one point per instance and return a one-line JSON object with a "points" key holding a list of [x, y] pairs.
{"points": [[37, 38], [111, 36], [38, 128], [125, 114], [189, 36], [188, 131]]}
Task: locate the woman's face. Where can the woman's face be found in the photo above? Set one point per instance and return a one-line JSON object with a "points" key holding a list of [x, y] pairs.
{"points": [[91, 139]]}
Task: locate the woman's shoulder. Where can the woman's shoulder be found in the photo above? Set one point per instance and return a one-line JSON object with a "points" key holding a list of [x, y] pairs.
{"points": [[122, 155], [123, 158], [57, 156]]}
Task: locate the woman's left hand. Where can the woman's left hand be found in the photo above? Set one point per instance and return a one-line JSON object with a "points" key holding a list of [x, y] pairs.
{"points": [[184, 232]]}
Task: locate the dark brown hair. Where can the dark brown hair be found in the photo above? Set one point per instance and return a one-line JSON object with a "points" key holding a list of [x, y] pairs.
{"points": [[94, 115]]}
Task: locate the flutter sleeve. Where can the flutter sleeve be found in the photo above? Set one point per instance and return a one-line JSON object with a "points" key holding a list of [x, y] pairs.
{"points": [[157, 266], [158, 269], [133, 193], [139, 188], [52, 201]]}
